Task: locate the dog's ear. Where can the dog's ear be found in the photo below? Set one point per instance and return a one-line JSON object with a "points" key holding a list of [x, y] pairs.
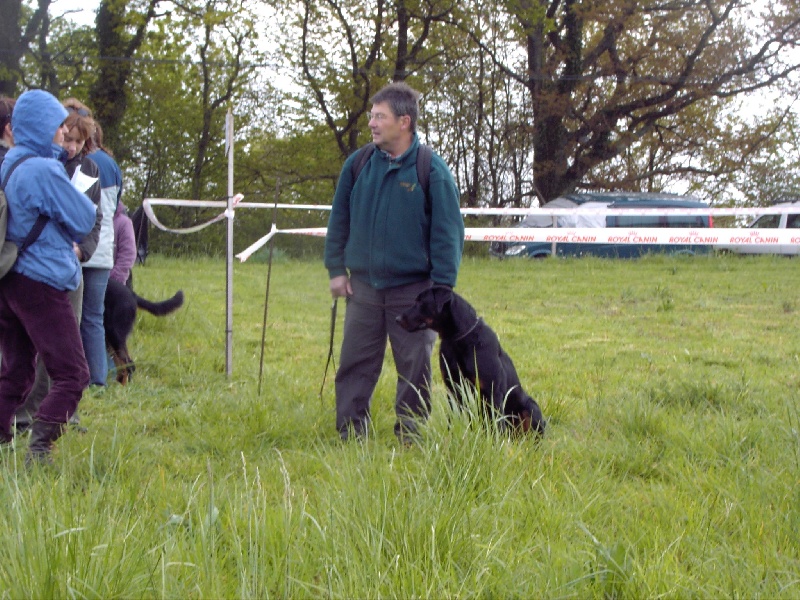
{"points": [[442, 295]]}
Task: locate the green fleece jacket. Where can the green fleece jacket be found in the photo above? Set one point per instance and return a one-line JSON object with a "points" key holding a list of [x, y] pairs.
{"points": [[379, 231]]}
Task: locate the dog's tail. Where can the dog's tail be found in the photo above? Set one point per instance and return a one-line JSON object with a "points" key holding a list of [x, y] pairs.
{"points": [[160, 309]]}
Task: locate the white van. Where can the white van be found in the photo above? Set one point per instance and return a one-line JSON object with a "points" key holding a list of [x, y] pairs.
{"points": [[631, 200], [785, 220]]}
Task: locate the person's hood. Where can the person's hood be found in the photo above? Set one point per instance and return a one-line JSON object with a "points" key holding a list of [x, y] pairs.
{"points": [[36, 118], [121, 209]]}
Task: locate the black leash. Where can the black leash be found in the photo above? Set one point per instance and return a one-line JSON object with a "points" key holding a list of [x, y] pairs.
{"points": [[330, 348]]}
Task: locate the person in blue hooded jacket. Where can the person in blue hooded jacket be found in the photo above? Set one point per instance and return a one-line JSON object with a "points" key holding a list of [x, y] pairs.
{"points": [[80, 129], [35, 313]]}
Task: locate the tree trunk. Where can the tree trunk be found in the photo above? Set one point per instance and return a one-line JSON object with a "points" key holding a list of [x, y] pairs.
{"points": [[11, 47], [14, 42], [116, 48]]}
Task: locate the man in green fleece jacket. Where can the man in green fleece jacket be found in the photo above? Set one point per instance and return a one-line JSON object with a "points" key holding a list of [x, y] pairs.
{"points": [[385, 244]]}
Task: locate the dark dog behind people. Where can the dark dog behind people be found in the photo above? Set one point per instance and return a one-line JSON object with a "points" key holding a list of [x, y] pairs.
{"points": [[119, 317], [470, 352]]}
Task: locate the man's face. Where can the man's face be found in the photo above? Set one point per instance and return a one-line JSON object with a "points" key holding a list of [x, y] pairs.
{"points": [[387, 129]]}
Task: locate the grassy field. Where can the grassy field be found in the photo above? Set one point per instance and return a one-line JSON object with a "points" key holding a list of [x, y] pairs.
{"points": [[671, 466]]}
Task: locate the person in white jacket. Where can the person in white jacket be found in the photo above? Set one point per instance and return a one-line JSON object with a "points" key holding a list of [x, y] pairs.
{"points": [[97, 269]]}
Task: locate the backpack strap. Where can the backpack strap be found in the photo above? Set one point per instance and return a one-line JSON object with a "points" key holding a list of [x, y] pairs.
{"points": [[35, 232], [362, 156], [424, 156], [12, 169], [41, 220]]}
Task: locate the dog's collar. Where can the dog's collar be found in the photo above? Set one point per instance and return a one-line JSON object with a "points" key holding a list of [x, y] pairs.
{"points": [[468, 331]]}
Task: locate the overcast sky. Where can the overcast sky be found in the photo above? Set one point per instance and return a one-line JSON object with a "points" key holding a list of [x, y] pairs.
{"points": [[83, 10]]}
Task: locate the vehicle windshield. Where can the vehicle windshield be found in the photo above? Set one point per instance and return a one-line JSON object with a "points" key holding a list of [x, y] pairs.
{"points": [[767, 222]]}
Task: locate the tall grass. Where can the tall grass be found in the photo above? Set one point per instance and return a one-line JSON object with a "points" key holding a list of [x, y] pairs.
{"points": [[671, 464]]}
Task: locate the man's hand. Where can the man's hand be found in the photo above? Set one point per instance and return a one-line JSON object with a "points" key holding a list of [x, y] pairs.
{"points": [[340, 286]]}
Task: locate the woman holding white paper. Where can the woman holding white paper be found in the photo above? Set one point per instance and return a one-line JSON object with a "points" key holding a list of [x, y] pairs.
{"points": [[84, 174], [96, 270]]}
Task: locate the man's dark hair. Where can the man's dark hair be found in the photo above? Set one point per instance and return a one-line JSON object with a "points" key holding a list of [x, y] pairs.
{"points": [[6, 108], [402, 99]]}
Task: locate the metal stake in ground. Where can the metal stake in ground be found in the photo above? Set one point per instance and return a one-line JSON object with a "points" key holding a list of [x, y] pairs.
{"points": [[269, 276]]}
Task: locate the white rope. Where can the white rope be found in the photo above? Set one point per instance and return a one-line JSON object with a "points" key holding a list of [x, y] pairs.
{"points": [[730, 211], [583, 235], [148, 204]]}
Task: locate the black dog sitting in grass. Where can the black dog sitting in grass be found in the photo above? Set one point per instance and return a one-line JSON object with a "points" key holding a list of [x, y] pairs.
{"points": [[470, 352]]}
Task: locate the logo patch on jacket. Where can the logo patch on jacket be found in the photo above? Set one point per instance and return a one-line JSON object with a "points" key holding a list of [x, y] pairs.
{"points": [[408, 186]]}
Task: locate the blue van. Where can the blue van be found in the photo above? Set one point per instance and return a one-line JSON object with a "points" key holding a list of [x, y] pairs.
{"points": [[619, 200]]}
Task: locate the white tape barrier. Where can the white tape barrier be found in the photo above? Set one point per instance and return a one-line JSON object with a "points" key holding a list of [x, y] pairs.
{"points": [[656, 210], [714, 212], [593, 235], [148, 204], [599, 235], [644, 235], [223, 204], [253, 248]]}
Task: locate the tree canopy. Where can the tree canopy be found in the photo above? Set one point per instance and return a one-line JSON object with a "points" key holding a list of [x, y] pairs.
{"points": [[525, 99]]}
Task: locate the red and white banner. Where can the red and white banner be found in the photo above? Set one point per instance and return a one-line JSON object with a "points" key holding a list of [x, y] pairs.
{"points": [[594, 235], [644, 235], [577, 235]]}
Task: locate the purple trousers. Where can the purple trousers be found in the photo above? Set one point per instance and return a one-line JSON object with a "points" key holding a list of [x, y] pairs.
{"points": [[36, 318]]}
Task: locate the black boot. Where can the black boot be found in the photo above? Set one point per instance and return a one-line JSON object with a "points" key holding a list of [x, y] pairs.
{"points": [[75, 423], [5, 438], [43, 434]]}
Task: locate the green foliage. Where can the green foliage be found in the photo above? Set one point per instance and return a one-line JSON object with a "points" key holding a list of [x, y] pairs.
{"points": [[669, 467], [522, 103], [176, 123], [161, 118]]}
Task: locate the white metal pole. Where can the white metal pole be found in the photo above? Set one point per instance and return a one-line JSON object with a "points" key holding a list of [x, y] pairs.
{"points": [[229, 270]]}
